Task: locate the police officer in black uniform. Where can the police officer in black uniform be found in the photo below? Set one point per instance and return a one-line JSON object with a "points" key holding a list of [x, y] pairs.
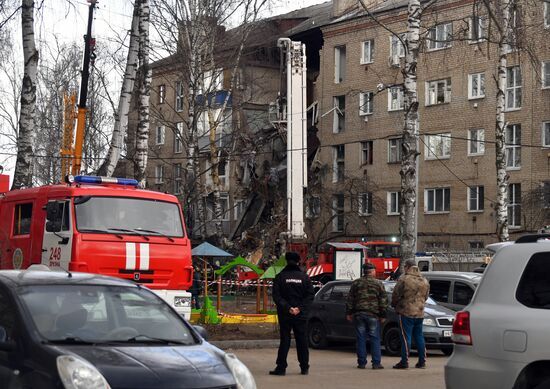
{"points": [[293, 295]]}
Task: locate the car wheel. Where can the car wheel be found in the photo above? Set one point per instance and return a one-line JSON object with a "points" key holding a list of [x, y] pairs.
{"points": [[392, 341], [316, 335], [447, 351]]}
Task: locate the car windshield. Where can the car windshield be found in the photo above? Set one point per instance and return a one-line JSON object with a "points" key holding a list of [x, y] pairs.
{"points": [[116, 215], [99, 314]]}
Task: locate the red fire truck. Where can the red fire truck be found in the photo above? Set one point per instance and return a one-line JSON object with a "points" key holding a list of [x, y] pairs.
{"points": [[383, 255], [100, 225]]}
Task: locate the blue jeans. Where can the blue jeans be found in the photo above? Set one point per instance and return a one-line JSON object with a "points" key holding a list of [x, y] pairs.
{"points": [[411, 327], [367, 327]]}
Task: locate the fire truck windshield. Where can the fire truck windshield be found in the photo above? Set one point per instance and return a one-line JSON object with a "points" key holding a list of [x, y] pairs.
{"points": [[383, 251], [116, 215]]}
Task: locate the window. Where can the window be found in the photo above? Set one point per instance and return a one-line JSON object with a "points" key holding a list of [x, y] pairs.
{"points": [[513, 88], [438, 92], [8, 316], [365, 203], [177, 142], [478, 28], [462, 293], [514, 30], [366, 103], [339, 64], [514, 205], [223, 169], [338, 213], [211, 208], [367, 51], [437, 200], [438, 146], [162, 94], [546, 74], [179, 96], [240, 208], [394, 150], [435, 246], [395, 98], [513, 146], [339, 156], [546, 14], [476, 245], [440, 36], [366, 152], [339, 121], [476, 141], [534, 286], [476, 195], [313, 207], [159, 174], [178, 187], [546, 134], [22, 219], [545, 196], [159, 136], [397, 49], [340, 293], [394, 203], [439, 290], [476, 85]]}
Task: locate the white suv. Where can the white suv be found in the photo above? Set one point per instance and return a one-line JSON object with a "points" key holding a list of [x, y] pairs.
{"points": [[502, 338]]}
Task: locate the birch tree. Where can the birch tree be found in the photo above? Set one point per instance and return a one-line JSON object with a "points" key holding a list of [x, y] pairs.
{"points": [[27, 114], [121, 116]]}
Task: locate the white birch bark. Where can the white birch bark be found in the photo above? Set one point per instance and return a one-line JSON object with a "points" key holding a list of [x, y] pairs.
{"points": [[121, 116], [27, 115], [142, 133], [409, 179], [500, 126]]}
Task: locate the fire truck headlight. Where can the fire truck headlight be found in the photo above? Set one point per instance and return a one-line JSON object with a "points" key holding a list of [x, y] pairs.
{"points": [[77, 373], [181, 302], [242, 375]]}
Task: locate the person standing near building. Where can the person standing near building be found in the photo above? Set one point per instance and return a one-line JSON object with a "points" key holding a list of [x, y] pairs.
{"points": [[409, 298], [293, 295], [366, 306]]}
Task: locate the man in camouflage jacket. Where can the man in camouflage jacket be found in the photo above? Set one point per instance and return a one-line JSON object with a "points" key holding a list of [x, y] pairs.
{"points": [[366, 306], [409, 298]]}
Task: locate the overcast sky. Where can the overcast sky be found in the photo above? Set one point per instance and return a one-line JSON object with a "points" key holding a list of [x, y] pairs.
{"points": [[112, 20]]}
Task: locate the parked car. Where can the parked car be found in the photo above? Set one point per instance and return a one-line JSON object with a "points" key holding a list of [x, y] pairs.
{"points": [[503, 336], [327, 321], [452, 289], [80, 331]]}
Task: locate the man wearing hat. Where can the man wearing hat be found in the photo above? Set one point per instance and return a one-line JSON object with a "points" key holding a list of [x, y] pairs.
{"points": [[366, 306], [409, 298], [293, 295]]}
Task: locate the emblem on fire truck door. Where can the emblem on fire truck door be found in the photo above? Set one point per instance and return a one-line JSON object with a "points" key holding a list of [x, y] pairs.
{"points": [[17, 258]]}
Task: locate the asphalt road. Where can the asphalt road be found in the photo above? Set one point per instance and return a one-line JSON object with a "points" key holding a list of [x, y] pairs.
{"points": [[336, 368]]}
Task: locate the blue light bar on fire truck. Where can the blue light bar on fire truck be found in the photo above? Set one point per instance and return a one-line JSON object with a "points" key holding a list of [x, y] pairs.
{"points": [[105, 180]]}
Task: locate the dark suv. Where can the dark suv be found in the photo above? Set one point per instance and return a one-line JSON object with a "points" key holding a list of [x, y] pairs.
{"points": [[80, 331], [327, 321]]}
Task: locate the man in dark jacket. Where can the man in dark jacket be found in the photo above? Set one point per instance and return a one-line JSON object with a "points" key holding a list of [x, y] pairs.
{"points": [[366, 306], [293, 295]]}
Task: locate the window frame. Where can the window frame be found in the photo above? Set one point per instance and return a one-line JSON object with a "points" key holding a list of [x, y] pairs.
{"points": [[438, 44], [16, 230], [545, 74], [367, 150], [480, 22], [397, 48], [313, 207], [513, 91], [514, 204], [159, 178], [340, 59], [445, 197], [178, 179], [480, 83], [339, 164], [479, 141], [398, 147], [364, 203], [160, 135], [546, 13], [399, 98], [393, 200], [179, 92], [445, 146], [369, 105], [513, 146], [433, 90], [370, 51], [339, 114], [338, 212], [545, 132], [479, 198]]}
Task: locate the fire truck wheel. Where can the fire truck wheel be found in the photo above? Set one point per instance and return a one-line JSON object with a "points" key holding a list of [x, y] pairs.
{"points": [[316, 335], [392, 342], [121, 333]]}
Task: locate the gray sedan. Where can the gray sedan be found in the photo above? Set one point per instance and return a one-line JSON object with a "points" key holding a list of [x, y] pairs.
{"points": [[327, 321]]}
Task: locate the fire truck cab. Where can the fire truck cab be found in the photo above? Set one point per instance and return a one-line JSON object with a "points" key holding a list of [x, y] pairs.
{"points": [[100, 225]]}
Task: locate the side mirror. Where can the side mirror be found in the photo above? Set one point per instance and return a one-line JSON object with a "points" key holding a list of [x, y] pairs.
{"points": [[202, 331], [53, 216], [5, 344]]}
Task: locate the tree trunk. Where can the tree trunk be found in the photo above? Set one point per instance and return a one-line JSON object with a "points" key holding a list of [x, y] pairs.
{"points": [[27, 119], [409, 179], [500, 129], [121, 116], [142, 134]]}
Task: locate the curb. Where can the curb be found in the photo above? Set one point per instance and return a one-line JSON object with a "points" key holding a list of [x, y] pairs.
{"points": [[247, 344]]}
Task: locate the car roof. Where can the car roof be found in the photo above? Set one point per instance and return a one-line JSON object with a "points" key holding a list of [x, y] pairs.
{"points": [[16, 278], [463, 275]]}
